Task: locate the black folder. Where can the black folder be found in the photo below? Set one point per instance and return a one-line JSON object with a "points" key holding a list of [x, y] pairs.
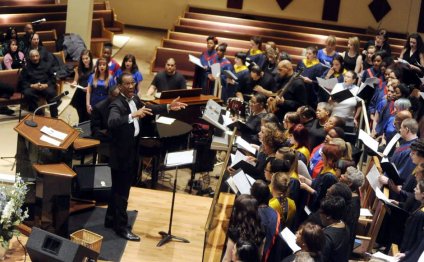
{"points": [[366, 93], [241, 127], [390, 169], [341, 96], [247, 168]]}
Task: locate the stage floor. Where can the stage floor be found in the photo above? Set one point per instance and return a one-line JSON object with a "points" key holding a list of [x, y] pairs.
{"points": [[154, 207]]}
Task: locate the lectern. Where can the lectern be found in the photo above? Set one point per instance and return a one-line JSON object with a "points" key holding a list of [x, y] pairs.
{"points": [[49, 180], [53, 196]]}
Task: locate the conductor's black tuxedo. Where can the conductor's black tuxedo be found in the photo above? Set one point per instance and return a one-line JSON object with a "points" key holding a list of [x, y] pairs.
{"points": [[123, 157]]}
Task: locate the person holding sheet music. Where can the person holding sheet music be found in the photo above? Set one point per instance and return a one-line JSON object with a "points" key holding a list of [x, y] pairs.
{"points": [[337, 69], [280, 201], [401, 157], [270, 220], [256, 82], [169, 79], [312, 68], [413, 52], [414, 227], [202, 76], [337, 236], [348, 108], [318, 187], [310, 238], [257, 105], [255, 54], [240, 69], [82, 72], [225, 64], [245, 224]]}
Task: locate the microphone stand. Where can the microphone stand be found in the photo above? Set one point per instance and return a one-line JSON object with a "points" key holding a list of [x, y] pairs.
{"points": [[31, 122]]}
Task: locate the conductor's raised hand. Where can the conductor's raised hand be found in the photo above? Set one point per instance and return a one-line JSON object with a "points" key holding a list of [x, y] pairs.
{"points": [[142, 112], [176, 105]]}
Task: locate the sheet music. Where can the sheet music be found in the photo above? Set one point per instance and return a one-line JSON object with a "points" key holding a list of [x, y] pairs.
{"points": [[231, 75], [216, 69], [212, 113], [165, 120], [80, 87], [384, 257], [365, 212], [238, 156], [180, 158], [53, 133], [227, 119], [242, 182], [369, 82], [195, 60], [245, 145], [372, 177], [391, 144], [380, 195], [50, 140], [370, 142], [422, 93], [307, 210], [327, 84], [230, 182], [290, 239]]}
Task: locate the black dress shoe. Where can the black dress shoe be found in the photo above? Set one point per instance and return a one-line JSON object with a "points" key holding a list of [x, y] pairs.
{"points": [[127, 234]]}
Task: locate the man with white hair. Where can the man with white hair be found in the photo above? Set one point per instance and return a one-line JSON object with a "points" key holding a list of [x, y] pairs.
{"points": [[38, 80]]}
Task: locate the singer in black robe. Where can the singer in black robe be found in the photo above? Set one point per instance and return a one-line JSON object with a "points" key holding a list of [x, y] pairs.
{"points": [[38, 80]]}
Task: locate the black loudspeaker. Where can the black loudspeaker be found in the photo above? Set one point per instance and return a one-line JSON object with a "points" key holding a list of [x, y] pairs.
{"points": [[44, 246], [93, 182], [379, 9]]}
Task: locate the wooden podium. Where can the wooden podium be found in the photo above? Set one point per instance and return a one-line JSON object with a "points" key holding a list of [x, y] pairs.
{"points": [[53, 193], [50, 203]]}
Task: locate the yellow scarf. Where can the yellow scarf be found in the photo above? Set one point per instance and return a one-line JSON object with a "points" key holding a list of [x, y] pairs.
{"points": [[328, 170], [255, 52], [338, 74], [310, 63], [239, 68]]}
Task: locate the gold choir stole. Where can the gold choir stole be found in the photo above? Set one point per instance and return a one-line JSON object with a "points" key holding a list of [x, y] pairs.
{"points": [[272, 103]]}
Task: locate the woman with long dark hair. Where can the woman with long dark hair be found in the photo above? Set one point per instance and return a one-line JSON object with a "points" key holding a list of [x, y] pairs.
{"points": [[245, 223], [129, 65], [82, 73], [14, 58]]}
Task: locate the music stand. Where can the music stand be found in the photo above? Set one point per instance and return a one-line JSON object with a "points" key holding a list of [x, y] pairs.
{"points": [[176, 159]]}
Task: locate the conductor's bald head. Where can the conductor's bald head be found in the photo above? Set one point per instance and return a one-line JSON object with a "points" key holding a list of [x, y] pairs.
{"points": [[285, 68]]}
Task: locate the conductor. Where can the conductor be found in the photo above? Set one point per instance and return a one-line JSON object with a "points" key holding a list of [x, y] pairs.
{"points": [[124, 126]]}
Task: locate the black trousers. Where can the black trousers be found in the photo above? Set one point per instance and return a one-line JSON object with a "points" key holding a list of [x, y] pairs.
{"points": [[31, 97]]}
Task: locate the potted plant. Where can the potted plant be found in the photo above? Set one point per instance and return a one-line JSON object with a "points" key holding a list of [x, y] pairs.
{"points": [[12, 198]]}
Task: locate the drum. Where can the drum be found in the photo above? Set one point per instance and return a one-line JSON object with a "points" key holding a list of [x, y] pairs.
{"points": [[237, 107]]}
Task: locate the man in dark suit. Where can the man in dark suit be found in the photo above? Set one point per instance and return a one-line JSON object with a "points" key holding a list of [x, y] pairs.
{"points": [[124, 126]]}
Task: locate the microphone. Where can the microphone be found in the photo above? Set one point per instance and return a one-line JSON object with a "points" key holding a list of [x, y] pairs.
{"points": [[31, 122], [39, 21], [59, 97]]}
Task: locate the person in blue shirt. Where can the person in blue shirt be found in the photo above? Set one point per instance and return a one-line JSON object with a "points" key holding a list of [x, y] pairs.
{"points": [[129, 65], [336, 70], [327, 54], [227, 90], [99, 84], [312, 68], [202, 76]]}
